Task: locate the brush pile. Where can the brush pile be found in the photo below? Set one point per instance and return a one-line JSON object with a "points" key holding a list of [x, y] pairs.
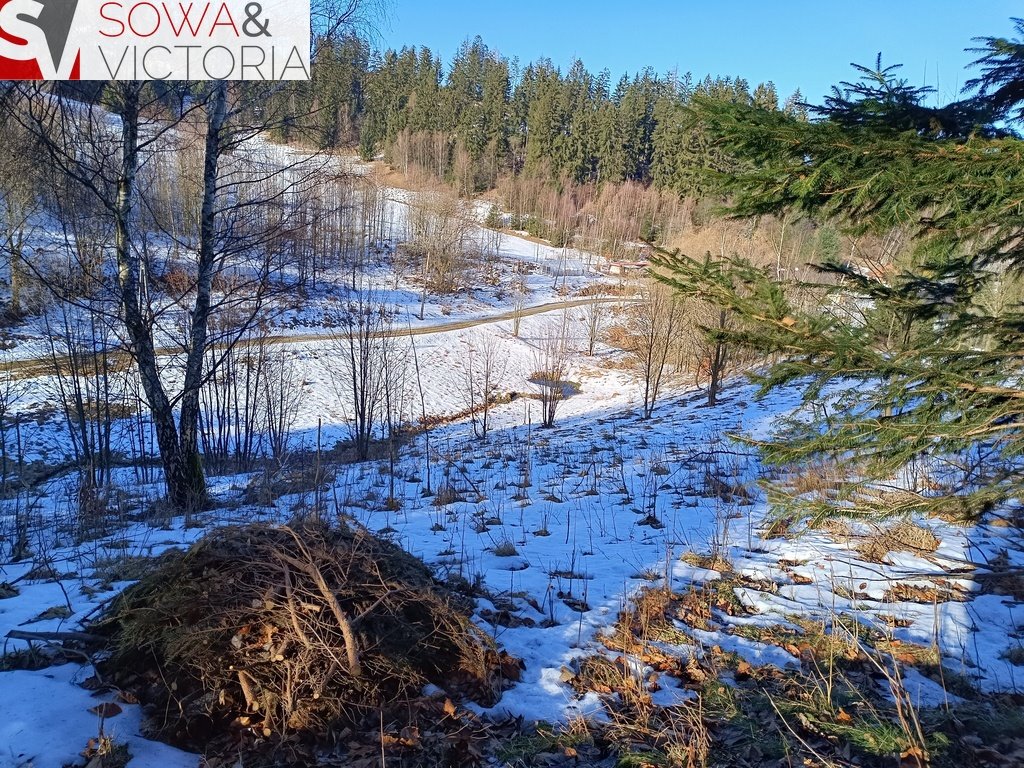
{"points": [[282, 642]]}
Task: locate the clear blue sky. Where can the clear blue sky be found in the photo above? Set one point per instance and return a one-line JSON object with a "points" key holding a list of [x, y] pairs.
{"points": [[792, 42]]}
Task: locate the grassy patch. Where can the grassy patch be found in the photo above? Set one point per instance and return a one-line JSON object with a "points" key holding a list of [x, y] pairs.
{"points": [[844, 704], [546, 743]]}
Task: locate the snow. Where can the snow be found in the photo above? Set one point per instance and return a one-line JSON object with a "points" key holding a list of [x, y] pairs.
{"points": [[45, 721], [575, 529], [572, 501]]}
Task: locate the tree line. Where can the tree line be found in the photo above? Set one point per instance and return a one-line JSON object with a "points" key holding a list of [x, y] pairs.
{"points": [[484, 116]]}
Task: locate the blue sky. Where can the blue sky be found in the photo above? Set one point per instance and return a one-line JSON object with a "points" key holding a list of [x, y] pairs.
{"points": [[792, 42]]}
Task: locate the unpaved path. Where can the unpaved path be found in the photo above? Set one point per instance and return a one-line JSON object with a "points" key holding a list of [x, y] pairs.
{"points": [[44, 366]]}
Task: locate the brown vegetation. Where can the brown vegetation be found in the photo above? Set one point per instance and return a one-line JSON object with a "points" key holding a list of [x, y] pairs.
{"points": [[904, 536], [277, 641]]}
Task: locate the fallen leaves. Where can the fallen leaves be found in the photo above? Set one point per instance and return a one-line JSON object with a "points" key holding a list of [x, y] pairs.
{"points": [[743, 670], [106, 710]]}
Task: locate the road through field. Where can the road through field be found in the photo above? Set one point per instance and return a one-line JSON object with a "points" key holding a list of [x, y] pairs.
{"points": [[44, 366]]}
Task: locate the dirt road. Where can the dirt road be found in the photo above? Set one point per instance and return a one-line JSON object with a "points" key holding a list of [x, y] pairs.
{"points": [[35, 367]]}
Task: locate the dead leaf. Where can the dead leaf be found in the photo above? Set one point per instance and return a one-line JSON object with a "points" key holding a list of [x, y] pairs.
{"points": [[106, 709], [410, 736], [127, 697], [92, 683], [914, 757]]}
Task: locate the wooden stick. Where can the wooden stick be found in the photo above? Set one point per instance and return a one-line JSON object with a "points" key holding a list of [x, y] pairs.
{"points": [[55, 637]]}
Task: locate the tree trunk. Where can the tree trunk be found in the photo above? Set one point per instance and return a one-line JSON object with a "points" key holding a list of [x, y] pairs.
{"points": [[180, 469], [191, 460], [17, 277], [719, 360], [137, 324]]}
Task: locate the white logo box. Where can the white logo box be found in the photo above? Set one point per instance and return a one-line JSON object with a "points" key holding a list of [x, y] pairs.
{"points": [[162, 39]]}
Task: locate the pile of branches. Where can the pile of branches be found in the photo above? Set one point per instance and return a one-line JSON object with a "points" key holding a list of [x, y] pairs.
{"points": [[283, 641]]}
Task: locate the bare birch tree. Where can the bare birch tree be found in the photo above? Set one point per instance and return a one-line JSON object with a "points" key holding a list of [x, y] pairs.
{"points": [[240, 213], [653, 330], [552, 362], [103, 151]]}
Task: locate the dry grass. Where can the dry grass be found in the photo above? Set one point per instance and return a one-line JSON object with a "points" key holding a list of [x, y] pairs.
{"points": [[820, 479], [940, 592], [1002, 578], [904, 536], [1014, 654], [104, 752], [845, 704]]}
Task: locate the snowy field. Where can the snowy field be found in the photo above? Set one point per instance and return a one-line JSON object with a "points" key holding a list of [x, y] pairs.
{"points": [[559, 527]]}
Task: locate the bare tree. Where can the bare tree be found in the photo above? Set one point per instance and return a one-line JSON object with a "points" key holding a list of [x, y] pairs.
{"points": [[520, 295], [394, 358], [105, 151], [490, 253], [104, 160], [484, 369], [440, 227], [244, 204], [652, 330], [712, 358], [85, 387], [19, 201], [282, 398], [424, 421], [552, 362], [330, 19], [370, 227], [249, 402], [12, 390], [369, 371], [594, 316]]}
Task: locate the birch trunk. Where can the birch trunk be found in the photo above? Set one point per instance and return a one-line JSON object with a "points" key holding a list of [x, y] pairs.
{"points": [[195, 480]]}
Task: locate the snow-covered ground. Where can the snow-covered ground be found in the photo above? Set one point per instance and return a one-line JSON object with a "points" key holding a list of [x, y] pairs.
{"points": [[518, 270], [560, 527]]}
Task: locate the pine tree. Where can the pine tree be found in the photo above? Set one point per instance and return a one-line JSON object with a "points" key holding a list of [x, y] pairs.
{"points": [[906, 367], [795, 106], [683, 153], [1002, 79], [765, 96]]}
